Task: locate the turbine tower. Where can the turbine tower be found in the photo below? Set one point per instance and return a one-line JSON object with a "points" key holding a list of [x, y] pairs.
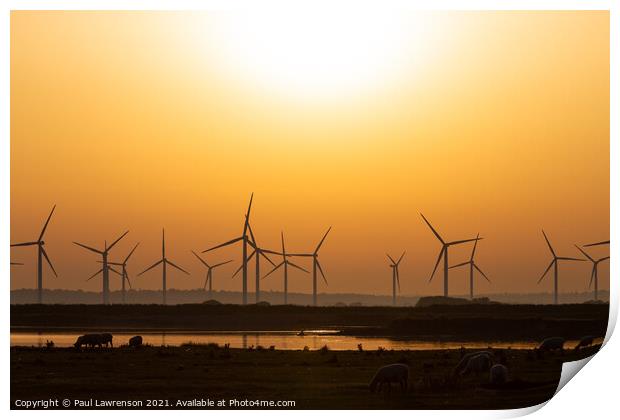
{"points": [[285, 263], [395, 276], [315, 265], [164, 261], [594, 274], [445, 246], [244, 251], [209, 277], [105, 267], [40, 255], [124, 274], [472, 265], [257, 254], [554, 263]]}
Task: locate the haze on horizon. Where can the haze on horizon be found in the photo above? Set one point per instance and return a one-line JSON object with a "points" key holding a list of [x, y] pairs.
{"points": [[490, 122]]}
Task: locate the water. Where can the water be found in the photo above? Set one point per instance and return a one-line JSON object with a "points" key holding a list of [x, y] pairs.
{"points": [[282, 340]]}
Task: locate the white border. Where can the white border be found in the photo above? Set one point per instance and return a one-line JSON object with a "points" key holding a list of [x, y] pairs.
{"points": [[592, 395]]}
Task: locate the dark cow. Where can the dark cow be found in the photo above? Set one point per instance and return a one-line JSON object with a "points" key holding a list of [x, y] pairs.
{"points": [[106, 338], [88, 340]]}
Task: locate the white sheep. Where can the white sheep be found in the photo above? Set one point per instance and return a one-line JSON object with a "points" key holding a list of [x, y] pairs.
{"points": [[398, 373], [463, 362], [479, 363], [498, 375]]}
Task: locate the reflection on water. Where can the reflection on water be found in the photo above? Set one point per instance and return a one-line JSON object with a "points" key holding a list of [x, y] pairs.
{"points": [[283, 340]]}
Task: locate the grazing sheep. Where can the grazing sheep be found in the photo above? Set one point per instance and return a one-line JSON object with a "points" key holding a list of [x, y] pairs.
{"points": [[479, 363], [135, 341], [585, 342], [498, 375], [87, 340], [106, 338], [551, 343], [465, 359], [398, 373]]}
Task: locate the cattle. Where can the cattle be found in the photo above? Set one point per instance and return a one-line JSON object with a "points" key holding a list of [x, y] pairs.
{"points": [[106, 338], [396, 373], [88, 340]]}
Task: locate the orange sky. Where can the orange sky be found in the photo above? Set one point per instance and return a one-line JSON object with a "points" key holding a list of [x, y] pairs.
{"points": [[495, 122]]}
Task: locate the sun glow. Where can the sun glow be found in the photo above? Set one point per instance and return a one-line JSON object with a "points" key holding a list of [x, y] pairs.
{"points": [[318, 55]]}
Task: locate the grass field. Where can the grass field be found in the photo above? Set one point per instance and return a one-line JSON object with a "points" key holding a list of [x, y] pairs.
{"points": [[321, 379]]}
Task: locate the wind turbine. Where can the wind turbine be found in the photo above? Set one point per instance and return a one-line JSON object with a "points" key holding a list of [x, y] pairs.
{"points": [[285, 263], [40, 254], [599, 243], [445, 246], [244, 251], [209, 277], [164, 261], [594, 275], [105, 267], [124, 274], [472, 265], [315, 265], [554, 263], [257, 254], [395, 276]]}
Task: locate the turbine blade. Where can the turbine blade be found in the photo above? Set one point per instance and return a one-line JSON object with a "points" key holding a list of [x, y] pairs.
{"points": [[252, 235], [603, 259], [318, 264], [116, 241], [274, 269], [17, 263], [460, 265], [473, 251], [464, 241], [548, 268], [232, 241], [88, 248], [237, 271], [592, 277], [153, 266], [300, 255], [584, 253], [46, 223], [283, 250], [94, 275], [114, 271], [222, 263], [480, 271], [268, 251], [297, 267], [401, 258], [249, 257], [548, 243], [443, 249], [48, 261], [128, 281], [247, 216], [599, 243], [262, 253], [25, 244], [200, 259], [570, 259], [176, 266], [432, 228], [204, 286], [322, 240], [134, 248], [397, 278], [391, 259]]}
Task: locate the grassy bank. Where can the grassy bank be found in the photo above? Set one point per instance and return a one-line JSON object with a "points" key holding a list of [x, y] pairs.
{"points": [[313, 379]]}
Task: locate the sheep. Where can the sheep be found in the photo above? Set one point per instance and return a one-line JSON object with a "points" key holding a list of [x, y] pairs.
{"points": [[398, 373], [135, 341], [465, 359], [585, 342], [498, 375], [106, 338], [551, 344], [477, 364], [91, 340]]}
